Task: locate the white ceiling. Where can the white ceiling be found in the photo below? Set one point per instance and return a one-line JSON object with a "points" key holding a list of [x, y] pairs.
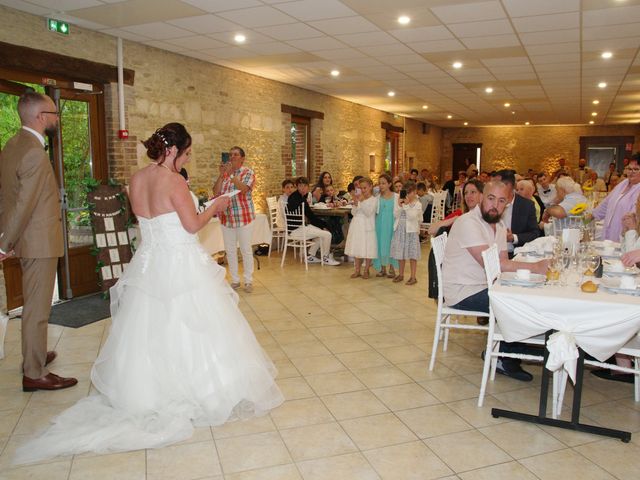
{"points": [[541, 56]]}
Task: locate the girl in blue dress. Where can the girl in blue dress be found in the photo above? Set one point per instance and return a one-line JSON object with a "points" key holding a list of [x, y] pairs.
{"points": [[384, 264]]}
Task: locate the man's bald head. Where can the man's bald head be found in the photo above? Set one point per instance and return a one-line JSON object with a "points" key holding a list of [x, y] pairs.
{"points": [[38, 112], [31, 104]]}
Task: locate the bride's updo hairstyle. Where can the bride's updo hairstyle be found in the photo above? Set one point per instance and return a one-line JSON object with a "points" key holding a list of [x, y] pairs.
{"points": [[166, 137]]}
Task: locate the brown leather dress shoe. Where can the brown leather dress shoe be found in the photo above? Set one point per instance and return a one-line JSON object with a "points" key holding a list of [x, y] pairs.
{"points": [[51, 356], [48, 382]]}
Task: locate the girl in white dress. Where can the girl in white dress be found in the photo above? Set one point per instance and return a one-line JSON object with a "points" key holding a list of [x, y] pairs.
{"points": [[180, 353], [405, 244], [361, 240]]}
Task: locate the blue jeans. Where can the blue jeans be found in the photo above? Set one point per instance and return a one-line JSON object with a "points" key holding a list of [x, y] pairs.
{"points": [[478, 302]]}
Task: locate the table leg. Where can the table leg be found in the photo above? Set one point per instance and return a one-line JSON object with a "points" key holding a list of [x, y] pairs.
{"points": [[574, 424]]}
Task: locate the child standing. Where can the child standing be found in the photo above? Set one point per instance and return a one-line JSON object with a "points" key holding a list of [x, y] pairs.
{"points": [[361, 240], [384, 228], [406, 243]]}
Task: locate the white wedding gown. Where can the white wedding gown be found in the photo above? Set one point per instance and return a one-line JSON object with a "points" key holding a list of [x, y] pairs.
{"points": [[180, 353]]}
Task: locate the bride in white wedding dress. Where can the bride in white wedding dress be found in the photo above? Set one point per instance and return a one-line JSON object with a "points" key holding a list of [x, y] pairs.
{"points": [[180, 353]]}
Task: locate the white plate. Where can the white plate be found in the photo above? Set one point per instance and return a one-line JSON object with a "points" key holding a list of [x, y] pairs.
{"points": [[600, 244], [510, 278], [625, 291], [628, 271]]}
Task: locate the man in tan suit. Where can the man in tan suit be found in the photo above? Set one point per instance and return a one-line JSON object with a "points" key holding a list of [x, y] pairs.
{"points": [[31, 229]]}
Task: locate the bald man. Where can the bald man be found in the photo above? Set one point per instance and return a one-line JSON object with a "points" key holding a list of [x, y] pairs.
{"points": [[31, 229]]}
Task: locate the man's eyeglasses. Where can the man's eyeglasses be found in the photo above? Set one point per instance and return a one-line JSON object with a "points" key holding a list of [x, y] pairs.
{"points": [[634, 170], [52, 113]]}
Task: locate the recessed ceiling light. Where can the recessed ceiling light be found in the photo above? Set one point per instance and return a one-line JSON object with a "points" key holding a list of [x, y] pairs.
{"points": [[594, 114], [449, 117], [240, 38], [591, 122], [507, 104], [526, 123], [424, 107], [596, 102], [602, 85], [391, 93], [606, 55], [466, 123], [457, 64], [488, 90], [403, 20], [335, 73]]}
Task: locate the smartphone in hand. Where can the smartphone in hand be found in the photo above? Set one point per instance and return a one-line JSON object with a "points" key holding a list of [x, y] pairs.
{"points": [[403, 194], [225, 158]]}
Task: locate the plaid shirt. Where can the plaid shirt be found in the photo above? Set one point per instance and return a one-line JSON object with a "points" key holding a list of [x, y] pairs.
{"points": [[240, 211]]}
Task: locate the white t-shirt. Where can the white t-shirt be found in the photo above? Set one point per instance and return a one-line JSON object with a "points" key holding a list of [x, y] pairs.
{"points": [[463, 275]]}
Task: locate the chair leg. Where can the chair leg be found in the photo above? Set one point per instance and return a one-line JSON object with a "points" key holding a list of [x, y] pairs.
{"points": [[488, 361], [636, 379], [494, 359], [270, 245], [436, 339], [284, 254], [445, 343]]}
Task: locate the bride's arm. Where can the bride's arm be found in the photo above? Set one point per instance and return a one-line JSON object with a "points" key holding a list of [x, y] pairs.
{"points": [[182, 202]]}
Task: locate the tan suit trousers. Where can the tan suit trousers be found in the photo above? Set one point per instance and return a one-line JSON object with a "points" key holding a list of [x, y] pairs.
{"points": [[38, 279]]}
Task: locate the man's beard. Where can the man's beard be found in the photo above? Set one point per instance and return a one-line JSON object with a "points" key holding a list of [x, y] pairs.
{"points": [[491, 216], [51, 131]]}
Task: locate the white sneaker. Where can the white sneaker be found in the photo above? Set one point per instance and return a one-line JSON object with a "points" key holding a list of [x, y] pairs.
{"points": [[313, 259], [327, 260]]}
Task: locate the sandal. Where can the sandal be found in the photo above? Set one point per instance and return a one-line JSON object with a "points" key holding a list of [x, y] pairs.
{"points": [[365, 275], [411, 281], [398, 279], [355, 275], [381, 273], [392, 273]]}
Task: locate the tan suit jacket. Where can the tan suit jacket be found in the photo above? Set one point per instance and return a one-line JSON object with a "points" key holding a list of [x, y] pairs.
{"points": [[30, 217]]}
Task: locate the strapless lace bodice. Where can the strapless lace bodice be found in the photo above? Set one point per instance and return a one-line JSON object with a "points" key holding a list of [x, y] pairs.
{"points": [[164, 229]]}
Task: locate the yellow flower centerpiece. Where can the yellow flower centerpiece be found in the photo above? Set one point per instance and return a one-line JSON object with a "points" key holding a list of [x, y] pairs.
{"points": [[579, 209]]}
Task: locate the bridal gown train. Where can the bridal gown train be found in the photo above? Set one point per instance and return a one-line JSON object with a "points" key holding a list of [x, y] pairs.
{"points": [[180, 353]]}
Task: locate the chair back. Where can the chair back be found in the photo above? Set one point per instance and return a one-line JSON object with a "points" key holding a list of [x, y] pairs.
{"points": [[438, 245], [272, 205], [457, 198], [438, 208], [294, 218], [491, 260]]}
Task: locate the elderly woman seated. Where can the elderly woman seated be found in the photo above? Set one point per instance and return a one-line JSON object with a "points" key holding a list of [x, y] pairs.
{"points": [[569, 194]]}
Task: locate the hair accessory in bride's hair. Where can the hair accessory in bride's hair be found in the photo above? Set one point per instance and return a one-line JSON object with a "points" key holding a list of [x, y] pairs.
{"points": [[159, 134]]}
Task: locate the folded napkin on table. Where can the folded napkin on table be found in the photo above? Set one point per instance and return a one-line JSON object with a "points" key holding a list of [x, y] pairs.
{"points": [[539, 245]]}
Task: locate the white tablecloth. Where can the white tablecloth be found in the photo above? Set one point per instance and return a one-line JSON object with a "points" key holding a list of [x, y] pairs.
{"points": [[599, 323], [211, 235]]}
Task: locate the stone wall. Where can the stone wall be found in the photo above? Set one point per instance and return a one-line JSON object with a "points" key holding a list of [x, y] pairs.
{"points": [[525, 147], [220, 107]]}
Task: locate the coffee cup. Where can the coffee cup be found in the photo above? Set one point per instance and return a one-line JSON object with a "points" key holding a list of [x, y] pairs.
{"points": [[523, 274], [628, 283]]}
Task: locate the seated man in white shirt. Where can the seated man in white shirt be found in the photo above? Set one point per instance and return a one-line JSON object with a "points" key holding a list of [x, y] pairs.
{"points": [[465, 285], [569, 194]]}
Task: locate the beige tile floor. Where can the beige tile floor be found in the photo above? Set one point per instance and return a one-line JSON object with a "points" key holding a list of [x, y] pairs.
{"points": [[361, 404]]}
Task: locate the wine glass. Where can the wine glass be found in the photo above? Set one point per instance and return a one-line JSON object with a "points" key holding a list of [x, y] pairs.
{"points": [[593, 262]]}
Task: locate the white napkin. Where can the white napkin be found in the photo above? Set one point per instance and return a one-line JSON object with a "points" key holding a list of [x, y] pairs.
{"points": [[539, 245], [571, 238], [563, 353]]}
